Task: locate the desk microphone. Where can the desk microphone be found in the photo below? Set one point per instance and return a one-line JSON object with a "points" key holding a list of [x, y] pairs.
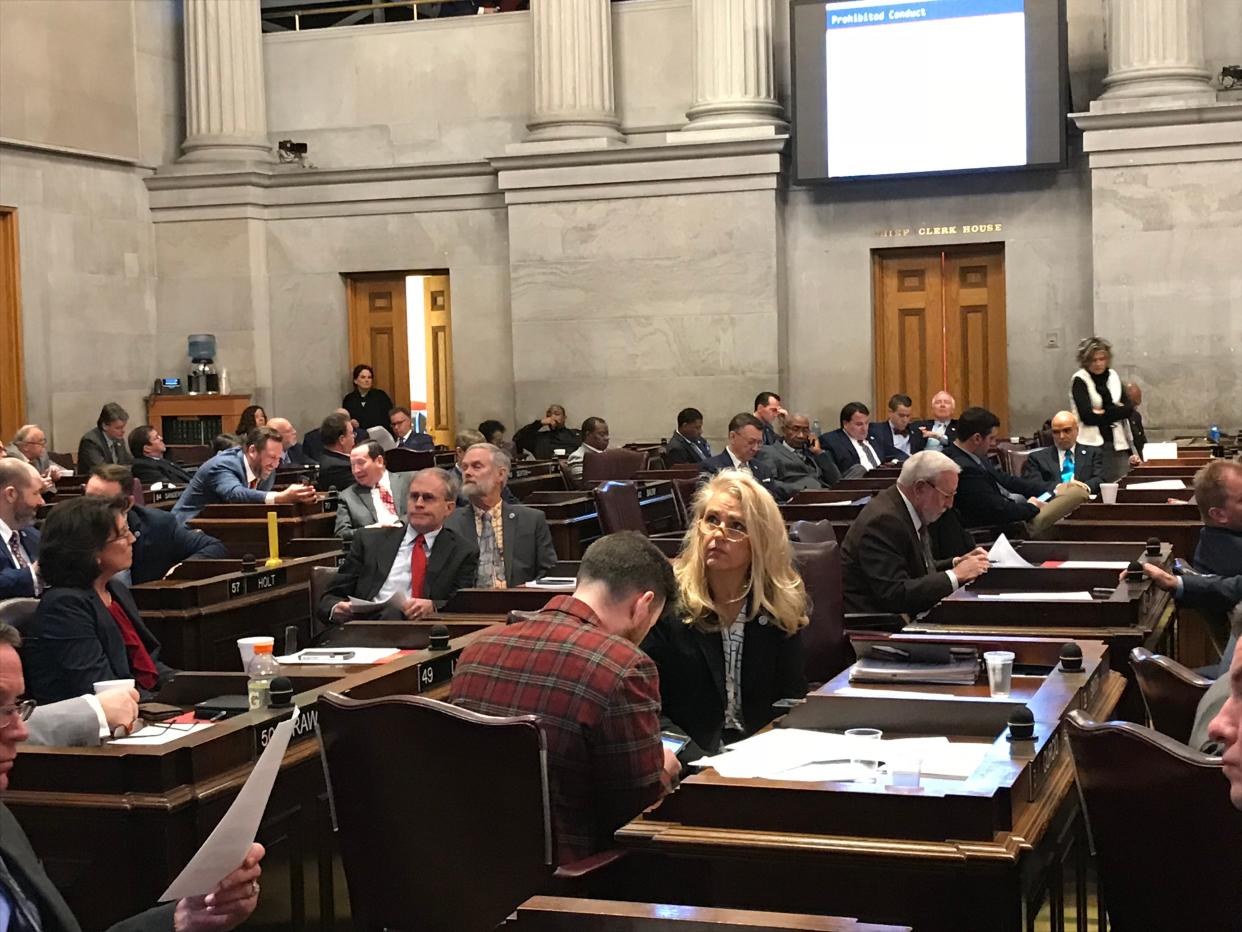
{"points": [[280, 692], [1021, 724], [248, 562], [1134, 572], [439, 638], [1071, 657], [1153, 546]]}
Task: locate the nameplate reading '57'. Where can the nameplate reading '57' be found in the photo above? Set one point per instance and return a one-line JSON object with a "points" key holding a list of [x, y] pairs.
{"points": [[250, 583]]}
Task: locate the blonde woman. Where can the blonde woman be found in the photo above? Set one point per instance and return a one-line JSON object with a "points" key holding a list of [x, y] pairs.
{"points": [[734, 646], [1103, 408]]}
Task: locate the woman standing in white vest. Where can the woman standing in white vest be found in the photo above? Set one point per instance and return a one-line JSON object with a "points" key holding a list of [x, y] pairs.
{"points": [[1102, 408]]}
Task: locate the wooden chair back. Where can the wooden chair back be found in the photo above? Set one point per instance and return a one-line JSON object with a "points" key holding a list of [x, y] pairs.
{"points": [[619, 508], [617, 463], [827, 650], [1170, 691]]}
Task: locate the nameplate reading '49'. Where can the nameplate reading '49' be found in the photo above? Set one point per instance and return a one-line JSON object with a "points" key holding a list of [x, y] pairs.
{"points": [[435, 671], [250, 583]]}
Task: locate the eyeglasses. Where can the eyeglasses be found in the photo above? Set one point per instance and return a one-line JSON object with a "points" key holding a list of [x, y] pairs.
{"points": [[128, 535], [21, 709], [425, 497], [710, 523], [947, 496]]}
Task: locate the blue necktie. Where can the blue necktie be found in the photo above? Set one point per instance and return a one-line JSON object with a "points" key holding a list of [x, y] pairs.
{"points": [[1067, 468]]}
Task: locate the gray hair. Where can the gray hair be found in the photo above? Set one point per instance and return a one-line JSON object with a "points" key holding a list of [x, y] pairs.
{"points": [[499, 457], [1090, 346], [10, 636], [467, 438], [452, 488], [925, 466], [24, 431]]}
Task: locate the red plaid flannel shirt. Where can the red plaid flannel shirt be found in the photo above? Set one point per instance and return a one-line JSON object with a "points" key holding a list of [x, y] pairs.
{"points": [[598, 697]]}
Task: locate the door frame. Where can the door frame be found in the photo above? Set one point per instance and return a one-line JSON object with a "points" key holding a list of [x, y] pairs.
{"points": [[12, 369]]}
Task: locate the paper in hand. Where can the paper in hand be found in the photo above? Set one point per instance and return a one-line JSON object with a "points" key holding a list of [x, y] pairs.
{"points": [[1003, 554], [226, 847]]}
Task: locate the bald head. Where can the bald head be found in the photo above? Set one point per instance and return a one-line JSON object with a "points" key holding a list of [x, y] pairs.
{"points": [[942, 406], [284, 427], [19, 493], [1064, 430], [1134, 393]]}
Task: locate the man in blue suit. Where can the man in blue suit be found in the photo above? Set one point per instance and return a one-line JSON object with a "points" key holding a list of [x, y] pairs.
{"points": [[20, 498], [894, 438], [408, 429], [850, 444], [239, 476], [745, 440]]}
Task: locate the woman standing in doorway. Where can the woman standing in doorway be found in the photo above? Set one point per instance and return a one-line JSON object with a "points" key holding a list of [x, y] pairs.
{"points": [[367, 406], [1102, 408]]}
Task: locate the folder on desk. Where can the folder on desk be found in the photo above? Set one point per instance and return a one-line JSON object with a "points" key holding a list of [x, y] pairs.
{"points": [[937, 664]]}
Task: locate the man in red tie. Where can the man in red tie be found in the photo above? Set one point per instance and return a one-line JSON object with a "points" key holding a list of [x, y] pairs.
{"points": [[377, 497], [405, 572]]}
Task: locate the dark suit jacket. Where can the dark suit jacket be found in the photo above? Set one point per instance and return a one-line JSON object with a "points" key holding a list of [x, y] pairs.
{"points": [[27, 871], [951, 432], [93, 451], [882, 439], [334, 471], [1139, 432], [791, 472], [1210, 592], [883, 568], [979, 498], [540, 443], [692, 676], [312, 445], [221, 480], [838, 444], [529, 552], [1042, 466], [1219, 552], [163, 543], [452, 565], [296, 455], [73, 641], [678, 450], [18, 583], [770, 435], [762, 474], [418, 441], [150, 471]]}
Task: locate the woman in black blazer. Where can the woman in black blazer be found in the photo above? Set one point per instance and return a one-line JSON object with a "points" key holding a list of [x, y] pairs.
{"points": [[735, 646], [367, 406], [87, 627]]}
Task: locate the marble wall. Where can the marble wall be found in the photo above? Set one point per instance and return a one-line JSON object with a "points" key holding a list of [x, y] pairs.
{"points": [[1169, 286]]}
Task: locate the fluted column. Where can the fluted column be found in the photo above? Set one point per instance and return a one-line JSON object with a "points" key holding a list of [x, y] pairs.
{"points": [[572, 71], [225, 110], [1155, 48], [734, 83]]}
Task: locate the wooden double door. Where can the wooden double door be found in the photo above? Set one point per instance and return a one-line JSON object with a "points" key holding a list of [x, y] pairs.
{"points": [[940, 324]]}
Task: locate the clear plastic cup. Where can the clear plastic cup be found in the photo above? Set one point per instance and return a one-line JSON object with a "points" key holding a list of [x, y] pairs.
{"points": [[1000, 671], [245, 647], [905, 771], [105, 685], [867, 763]]}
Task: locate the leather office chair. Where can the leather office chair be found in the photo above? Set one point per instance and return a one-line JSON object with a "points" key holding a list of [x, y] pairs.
{"points": [[17, 612], [684, 489], [135, 490], [827, 651], [320, 577], [619, 508], [1168, 846], [571, 481], [812, 532], [400, 459], [1015, 460], [1170, 691], [617, 463], [414, 795]]}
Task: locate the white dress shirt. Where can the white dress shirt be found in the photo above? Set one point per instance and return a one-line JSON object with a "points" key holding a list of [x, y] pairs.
{"points": [[900, 441], [382, 515], [918, 525], [866, 461], [6, 534], [398, 581], [737, 463]]}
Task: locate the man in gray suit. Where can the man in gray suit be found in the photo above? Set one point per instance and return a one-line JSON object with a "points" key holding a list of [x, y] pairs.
{"points": [[515, 544], [83, 721], [797, 463], [377, 499]]}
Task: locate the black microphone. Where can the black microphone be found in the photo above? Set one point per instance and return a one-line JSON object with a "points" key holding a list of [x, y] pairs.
{"points": [[1021, 724], [1071, 657], [439, 637], [1134, 572], [248, 562], [280, 692], [1153, 546]]}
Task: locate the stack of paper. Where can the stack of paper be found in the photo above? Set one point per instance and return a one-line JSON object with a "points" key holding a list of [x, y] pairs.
{"points": [[1003, 554], [957, 671], [1160, 451], [1036, 596]]}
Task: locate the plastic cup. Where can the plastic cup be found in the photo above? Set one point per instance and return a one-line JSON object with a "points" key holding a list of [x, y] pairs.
{"points": [[1000, 671], [105, 685], [867, 762], [245, 647], [907, 771], [1108, 492]]}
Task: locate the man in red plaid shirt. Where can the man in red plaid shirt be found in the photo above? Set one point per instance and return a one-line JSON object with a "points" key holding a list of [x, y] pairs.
{"points": [[577, 666]]}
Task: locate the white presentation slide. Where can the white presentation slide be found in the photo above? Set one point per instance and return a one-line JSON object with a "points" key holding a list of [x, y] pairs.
{"points": [[938, 85]]}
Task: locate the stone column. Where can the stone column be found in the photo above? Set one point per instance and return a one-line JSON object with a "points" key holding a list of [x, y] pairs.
{"points": [[572, 71], [734, 83], [225, 109], [1155, 49]]}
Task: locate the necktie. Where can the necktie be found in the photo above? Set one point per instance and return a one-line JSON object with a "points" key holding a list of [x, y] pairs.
{"points": [[418, 567], [1067, 467], [115, 448], [929, 559], [491, 566], [23, 914], [19, 558], [386, 498], [871, 457], [254, 483]]}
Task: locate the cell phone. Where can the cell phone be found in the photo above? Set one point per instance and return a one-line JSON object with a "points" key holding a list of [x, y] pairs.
{"points": [[674, 742], [1046, 497], [157, 711]]}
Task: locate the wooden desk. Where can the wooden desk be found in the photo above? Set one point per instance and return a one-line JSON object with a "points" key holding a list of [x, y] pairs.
{"points": [[527, 486], [842, 512], [1178, 524], [243, 528], [1128, 496], [951, 856], [563, 914], [115, 824], [199, 613], [574, 521]]}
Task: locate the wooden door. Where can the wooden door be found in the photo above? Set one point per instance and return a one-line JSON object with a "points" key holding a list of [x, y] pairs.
{"points": [[940, 324], [12, 380], [437, 310], [377, 331]]}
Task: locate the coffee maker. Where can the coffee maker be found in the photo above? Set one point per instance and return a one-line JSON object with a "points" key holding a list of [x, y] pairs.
{"points": [[203, 378]]}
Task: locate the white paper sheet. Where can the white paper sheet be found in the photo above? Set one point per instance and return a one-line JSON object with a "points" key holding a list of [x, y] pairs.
{"points": [[361, 655], [1003, 554], [1036, 596], [1160, 451], [1093, 565], [1166, 484], [224, 849], [158, 734], [363, 606]]}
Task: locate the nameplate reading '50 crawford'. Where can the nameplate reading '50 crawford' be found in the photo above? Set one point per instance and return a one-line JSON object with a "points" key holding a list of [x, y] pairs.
{"points": [[952, 230]]}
